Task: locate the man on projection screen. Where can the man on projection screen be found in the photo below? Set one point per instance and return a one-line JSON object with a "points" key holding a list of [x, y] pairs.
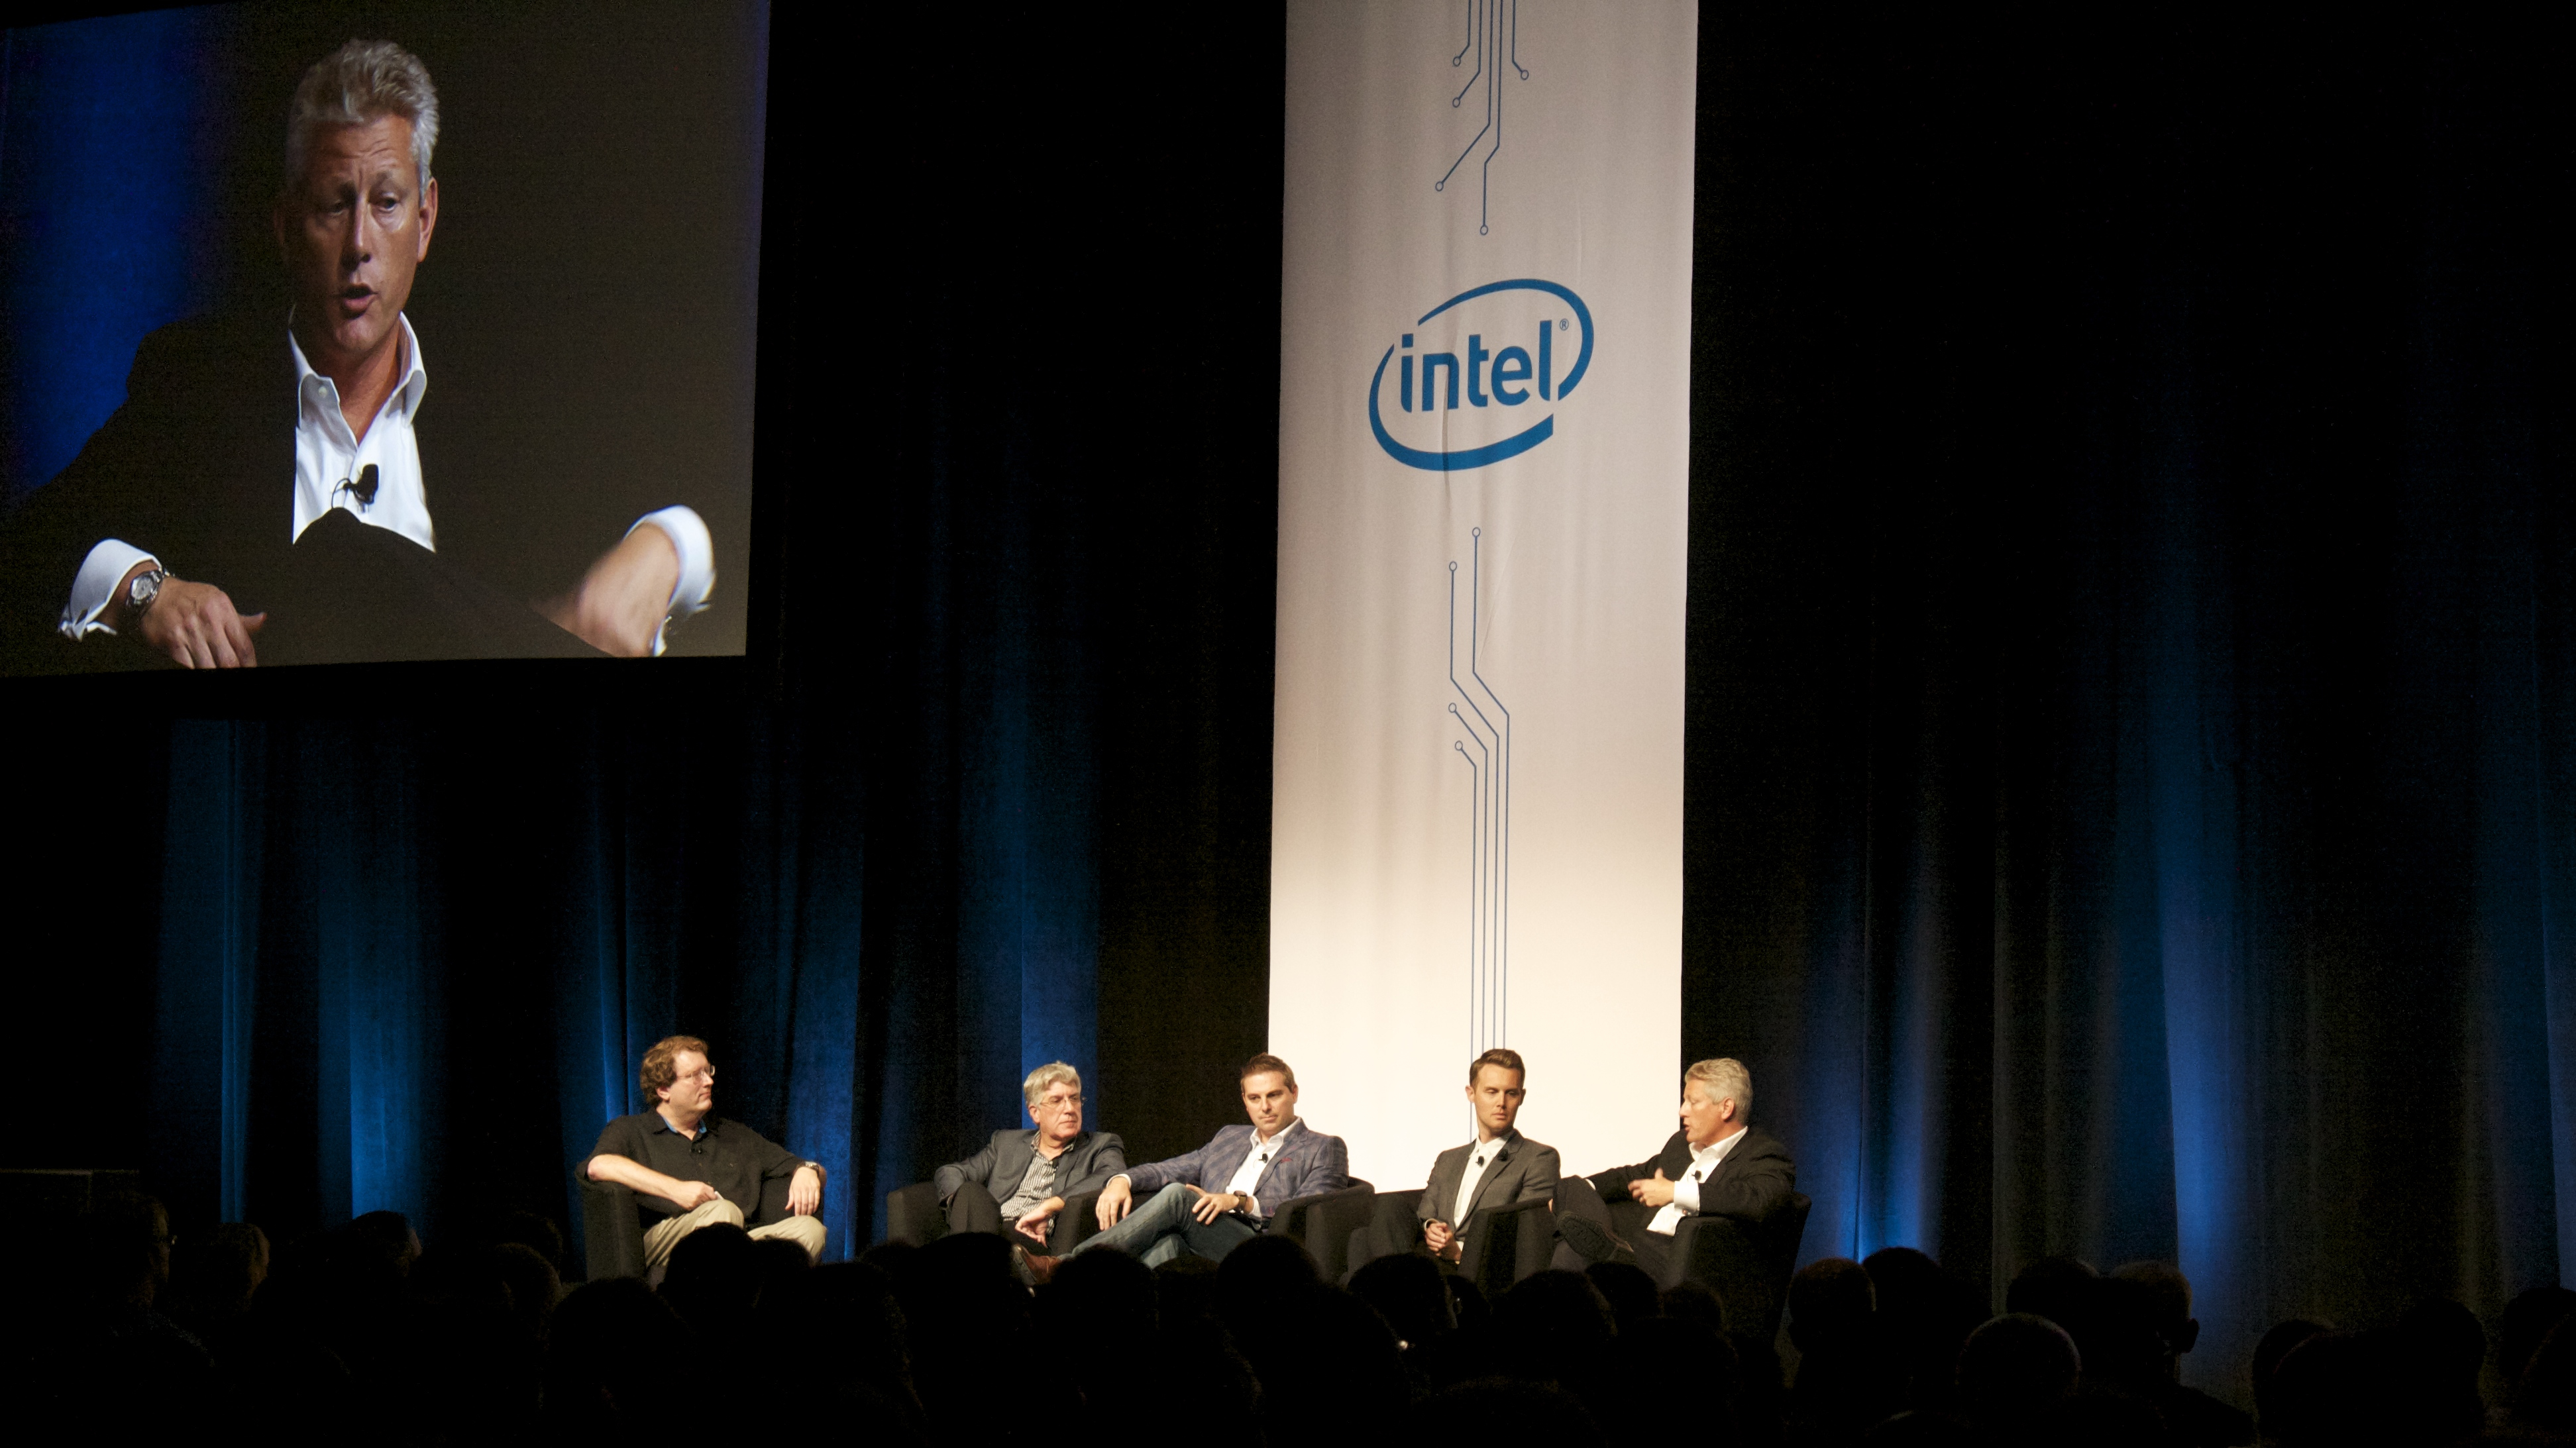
{"points": [[1499, 1168], [1716, 1165], [1224, 1194], [284, 474]]}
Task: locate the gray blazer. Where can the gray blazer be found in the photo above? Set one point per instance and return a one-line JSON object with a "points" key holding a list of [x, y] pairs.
{"points": [[1525, 1169], [1086, 1166]]}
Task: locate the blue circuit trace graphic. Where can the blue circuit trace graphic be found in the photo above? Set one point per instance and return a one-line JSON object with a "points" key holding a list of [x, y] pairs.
{"points": [[1487, 752], [1494, 35]]}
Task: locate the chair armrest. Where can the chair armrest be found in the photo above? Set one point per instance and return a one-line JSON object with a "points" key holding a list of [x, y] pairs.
{"points": [[1746, 1263], [1508, 1243], [1079, 1220], [612, 1232], [1322, 1221], [1391, 1228], [912, 1213]]}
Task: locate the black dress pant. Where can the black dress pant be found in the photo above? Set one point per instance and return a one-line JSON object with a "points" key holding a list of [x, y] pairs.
{"points": [[1577, 1196]]}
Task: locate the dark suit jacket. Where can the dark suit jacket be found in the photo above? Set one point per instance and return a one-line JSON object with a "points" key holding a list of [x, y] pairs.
{"points": [[1307, 1162], [1086, 1165], [198, 467], [1756, 1176], [1526, 1169]]}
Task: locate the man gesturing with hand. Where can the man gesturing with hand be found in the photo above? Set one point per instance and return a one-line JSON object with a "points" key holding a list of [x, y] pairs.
{"points": [[1224, 1194], [689, 1167]]}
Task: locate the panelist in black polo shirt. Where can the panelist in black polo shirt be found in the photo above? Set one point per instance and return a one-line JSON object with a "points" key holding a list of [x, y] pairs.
{"points": [[689, 1167]]}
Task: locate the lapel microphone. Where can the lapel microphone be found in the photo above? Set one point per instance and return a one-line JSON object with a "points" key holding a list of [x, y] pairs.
{"points": [[364, 489]]}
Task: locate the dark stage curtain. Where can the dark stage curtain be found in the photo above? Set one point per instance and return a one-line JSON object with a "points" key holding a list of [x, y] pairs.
{"points": [[990, 790], [2131, 781], [2132, 740]]}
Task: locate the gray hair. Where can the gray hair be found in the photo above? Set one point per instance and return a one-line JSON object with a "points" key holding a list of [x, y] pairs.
{"points": [[360, 83], [1046, 1078], [1723, 1079]]}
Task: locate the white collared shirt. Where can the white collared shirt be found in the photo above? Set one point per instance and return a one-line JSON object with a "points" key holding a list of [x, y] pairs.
{"points": [[329, 459], [1480, 1155], [1255, 1162], [1685, 1200]]}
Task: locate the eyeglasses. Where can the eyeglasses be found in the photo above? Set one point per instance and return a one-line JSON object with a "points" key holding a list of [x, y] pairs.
{"points": [[1059, 1103]]}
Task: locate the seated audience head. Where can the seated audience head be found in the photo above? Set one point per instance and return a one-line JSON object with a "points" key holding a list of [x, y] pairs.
{"points": [[1717, 1099], [1696, 1302], [2268, 1353], [1496, 1087], [1269, 1093], [534, 1230], [1831, 1303], [1184, 1292], [2167, 1302], [2051, 1287], [1556, 1327], [2527, 1320], [1257, 1277], [679, 1079], [2016, 1368], [714, 1277], [1629, 1290], [383, 1240], [1917, 1428], [608, 1355], [2445, 1349], [1407, 1291], [1053, 1093], [1677, 1354], [2336, 1388], [124, 1249], [220, 1268], [533, 1282], [2546, 1396]]}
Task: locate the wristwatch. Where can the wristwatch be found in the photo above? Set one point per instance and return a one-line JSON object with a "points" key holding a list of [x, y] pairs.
{"points": [[140, 593]]}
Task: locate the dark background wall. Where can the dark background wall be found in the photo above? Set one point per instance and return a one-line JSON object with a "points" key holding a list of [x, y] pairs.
{"points": [[2130, 738]]}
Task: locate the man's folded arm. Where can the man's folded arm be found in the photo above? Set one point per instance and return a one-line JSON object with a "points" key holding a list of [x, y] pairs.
{"points": [[1107, 1162], [1749, 1188], [976, 1168]]}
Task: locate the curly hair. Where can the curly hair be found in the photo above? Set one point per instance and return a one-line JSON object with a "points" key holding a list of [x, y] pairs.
{"points": [[658, 1071]]}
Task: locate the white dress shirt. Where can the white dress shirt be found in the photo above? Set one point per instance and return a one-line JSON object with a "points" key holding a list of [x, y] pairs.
{"points": [[1479, 1157], [328, 459], [1685, 1202], [1255, 1162]]}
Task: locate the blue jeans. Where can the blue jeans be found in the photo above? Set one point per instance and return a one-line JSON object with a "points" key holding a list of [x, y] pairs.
{"points": [[1163, 1229]]}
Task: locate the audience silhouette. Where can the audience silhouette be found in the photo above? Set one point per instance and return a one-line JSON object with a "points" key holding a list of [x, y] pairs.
{"points": [[358, 1334]]}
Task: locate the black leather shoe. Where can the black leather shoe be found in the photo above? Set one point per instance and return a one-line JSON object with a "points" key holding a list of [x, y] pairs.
{"points": [[1593, 1242]]}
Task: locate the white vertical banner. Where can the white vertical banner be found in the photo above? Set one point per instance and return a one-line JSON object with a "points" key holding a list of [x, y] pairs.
{"points": [[1484, 439]]}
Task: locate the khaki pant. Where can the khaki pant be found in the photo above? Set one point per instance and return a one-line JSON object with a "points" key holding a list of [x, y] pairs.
{"points": [[662, 1236]]}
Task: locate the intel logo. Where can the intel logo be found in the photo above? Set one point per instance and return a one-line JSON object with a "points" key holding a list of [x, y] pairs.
{"points": [[1522, 346]]}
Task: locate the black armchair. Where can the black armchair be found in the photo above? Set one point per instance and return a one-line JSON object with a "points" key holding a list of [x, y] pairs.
{"points": [[612, 1227], [1747, 1263], [1323, 1223], [1504, 1244], [913, 1215], [1391, 1228], [1508, 1243]]}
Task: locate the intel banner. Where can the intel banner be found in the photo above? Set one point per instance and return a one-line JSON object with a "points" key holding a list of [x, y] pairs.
{"points": [[1483, 448]]}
